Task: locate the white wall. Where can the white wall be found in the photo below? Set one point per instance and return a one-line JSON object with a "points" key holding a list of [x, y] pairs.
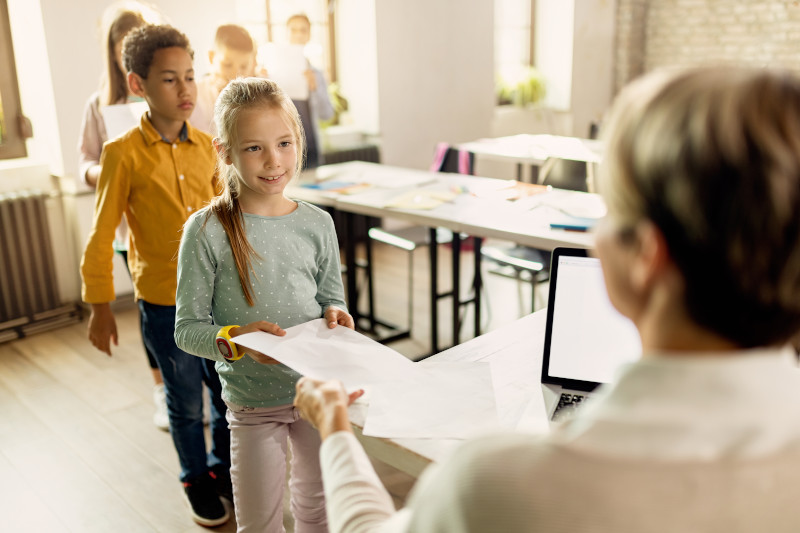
{"points": [[554, 37], [357, 62], [435, 75], [593, 62]]}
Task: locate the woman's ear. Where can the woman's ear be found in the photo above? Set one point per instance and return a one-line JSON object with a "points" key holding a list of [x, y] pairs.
{"points": [[221, 151], [652, 257]]}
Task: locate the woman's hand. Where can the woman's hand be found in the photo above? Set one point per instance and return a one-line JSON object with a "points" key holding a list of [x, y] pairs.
{"points": [[324, 404], [261, 325], [335, 316]]}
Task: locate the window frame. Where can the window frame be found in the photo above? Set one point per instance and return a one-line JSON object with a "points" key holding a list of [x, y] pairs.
{"points": [[529, 45], [12, 145]]}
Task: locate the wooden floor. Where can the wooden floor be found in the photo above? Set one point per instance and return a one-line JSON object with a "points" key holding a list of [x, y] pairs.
{"points": [[79, 451]]}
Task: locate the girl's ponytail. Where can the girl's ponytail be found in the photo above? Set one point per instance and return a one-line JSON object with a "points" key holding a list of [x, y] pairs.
{"points": [[228, 212]]}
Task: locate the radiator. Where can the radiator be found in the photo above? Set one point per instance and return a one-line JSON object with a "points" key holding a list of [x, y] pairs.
{"points": [[29, 297]]}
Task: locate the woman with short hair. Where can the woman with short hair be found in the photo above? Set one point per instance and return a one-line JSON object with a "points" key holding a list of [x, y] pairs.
{"points": [[701, 250]]}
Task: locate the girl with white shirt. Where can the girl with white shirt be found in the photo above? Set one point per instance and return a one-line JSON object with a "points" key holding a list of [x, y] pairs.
{"points": [[701, 250]]}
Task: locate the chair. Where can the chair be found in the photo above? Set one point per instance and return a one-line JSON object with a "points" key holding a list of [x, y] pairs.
{"points": [[565, 174], [446, 159], [522, 263], [409, 239], [530, 264]]}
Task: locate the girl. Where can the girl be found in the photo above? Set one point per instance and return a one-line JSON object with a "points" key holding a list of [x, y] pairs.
{"points": [[118, 21], [255, 257]]}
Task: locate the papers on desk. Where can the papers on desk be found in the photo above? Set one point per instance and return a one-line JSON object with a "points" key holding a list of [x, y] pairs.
{"points": [[340, 187], [423, 199], [568, 210], [510, 190], [445, 400], [373, 174], [449, 400]]}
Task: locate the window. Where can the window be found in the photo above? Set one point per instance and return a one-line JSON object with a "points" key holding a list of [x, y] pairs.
{"points": [[12, 141], [266, 22], [518, 81]]}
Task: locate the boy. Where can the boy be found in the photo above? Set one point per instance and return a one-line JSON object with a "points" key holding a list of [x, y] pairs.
{"points": [[233, 56], [158, 174], [318, 106]]}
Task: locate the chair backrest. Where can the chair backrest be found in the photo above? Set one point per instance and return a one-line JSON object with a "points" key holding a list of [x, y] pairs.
{"points": [[566, 174], [449, 159]]}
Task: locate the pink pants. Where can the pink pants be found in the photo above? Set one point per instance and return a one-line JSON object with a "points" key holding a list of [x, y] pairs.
{"points": [[258, 469]]}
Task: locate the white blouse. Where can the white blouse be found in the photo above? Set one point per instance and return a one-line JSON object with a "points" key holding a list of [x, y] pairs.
{"points": [[688, 442]]}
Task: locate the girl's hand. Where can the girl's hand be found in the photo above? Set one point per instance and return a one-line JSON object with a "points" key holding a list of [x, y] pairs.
{"points": [[261, 325], [324, 404], [334, 316]]}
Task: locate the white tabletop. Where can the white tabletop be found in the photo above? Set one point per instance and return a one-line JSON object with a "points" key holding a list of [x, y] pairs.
{"points": [[515, 353], [525, 221], [535, 149]]}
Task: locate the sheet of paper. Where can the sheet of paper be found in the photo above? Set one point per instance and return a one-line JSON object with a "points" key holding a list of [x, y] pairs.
{"points": [[390, 178], [314, 350], [122, 117], [575, 204], [422, 199], [445, 400], [286, 65]]}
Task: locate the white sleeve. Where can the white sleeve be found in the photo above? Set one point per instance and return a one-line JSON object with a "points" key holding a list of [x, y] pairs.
{"points": [[355, 497]]}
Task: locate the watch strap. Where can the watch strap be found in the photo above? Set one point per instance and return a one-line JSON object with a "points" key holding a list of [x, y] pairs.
{"points": [[227, 348]]}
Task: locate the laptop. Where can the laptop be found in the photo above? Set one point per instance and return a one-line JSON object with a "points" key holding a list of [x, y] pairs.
{"points": [[586, 339]]}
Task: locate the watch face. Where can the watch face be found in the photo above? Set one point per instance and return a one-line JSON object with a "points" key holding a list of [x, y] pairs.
{"points": [[224, 348]]}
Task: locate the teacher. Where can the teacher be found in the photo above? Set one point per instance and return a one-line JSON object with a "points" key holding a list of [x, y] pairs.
{"points": [[701, 250]]}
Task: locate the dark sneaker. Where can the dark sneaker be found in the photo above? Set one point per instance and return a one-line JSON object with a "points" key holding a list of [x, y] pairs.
{"points": [[222, 481], [207, 508]]}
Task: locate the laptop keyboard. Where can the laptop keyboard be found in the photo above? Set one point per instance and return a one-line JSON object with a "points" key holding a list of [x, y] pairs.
{"points": [[567, 404]]}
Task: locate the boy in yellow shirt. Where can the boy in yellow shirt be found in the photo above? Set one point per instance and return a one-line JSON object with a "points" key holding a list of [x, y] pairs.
{"points": [[158, 174]]}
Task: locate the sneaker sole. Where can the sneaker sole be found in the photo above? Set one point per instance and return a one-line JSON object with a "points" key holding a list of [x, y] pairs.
{"points": [[209, 522]]}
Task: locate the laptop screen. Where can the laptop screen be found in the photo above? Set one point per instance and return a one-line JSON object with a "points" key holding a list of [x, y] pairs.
{"points": [[586, 339]]}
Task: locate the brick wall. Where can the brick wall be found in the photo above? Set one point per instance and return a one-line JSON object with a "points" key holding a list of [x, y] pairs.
{"points": [[658, 33]]}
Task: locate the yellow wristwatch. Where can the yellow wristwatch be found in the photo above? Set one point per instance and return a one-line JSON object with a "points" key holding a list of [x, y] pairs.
{"points": [[226, 346]]}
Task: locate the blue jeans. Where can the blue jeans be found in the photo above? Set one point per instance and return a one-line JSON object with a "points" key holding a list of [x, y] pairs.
{"points": [[184, 375]]}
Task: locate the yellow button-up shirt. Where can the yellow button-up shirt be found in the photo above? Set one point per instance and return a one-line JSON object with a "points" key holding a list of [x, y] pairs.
{"points": [[157, 185]]}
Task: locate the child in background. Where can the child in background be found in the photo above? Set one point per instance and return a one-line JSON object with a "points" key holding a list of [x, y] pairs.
{"points": [[318, 106], [118, 20], [257, 258], [233, 56], [158, 174]]}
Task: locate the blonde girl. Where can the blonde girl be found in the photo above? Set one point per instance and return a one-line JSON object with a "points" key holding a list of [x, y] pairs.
{"points": [[257, 258]]}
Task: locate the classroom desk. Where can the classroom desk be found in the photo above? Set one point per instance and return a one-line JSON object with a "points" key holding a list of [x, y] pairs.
{"points": [[538, 151], [525, 221], [515, 353]]}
